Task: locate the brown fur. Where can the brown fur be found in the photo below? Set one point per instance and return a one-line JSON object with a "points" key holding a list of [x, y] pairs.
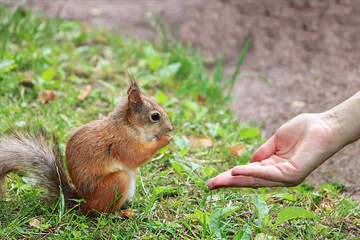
{"points": [[101, 155], [35, 150]]}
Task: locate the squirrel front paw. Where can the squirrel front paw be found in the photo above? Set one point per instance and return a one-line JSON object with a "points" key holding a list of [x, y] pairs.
{"points": [[166, 139]]}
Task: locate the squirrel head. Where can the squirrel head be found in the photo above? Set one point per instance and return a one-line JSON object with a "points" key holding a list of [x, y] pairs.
{"points": [[146, 115]]}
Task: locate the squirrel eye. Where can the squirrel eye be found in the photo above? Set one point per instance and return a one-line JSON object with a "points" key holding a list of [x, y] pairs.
{"points": [[155, 116]]}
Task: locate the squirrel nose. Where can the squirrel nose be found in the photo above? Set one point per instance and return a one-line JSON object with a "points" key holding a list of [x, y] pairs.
{"points": [[169, 129]]}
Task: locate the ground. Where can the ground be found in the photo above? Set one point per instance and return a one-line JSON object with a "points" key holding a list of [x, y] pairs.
{"points": [[308, 50]]}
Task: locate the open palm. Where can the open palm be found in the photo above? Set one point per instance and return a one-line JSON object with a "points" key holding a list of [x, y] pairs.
{"points": [[292, 153]]}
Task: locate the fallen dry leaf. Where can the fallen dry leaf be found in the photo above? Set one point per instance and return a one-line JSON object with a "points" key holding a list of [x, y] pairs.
{"points": [[201, 98], [200, 141], [298, 104], [326, 202], [237, 150], [46, 95], [82, 96], [100, 39], [175, 85], [35, 223], [96, 12]]}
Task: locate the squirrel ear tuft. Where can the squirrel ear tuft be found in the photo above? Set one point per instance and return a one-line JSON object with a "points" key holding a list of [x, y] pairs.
{"points": [[133, 85], [134, 94]]}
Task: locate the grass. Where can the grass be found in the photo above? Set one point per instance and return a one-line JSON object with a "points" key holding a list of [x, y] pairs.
{"points": [[63, 57]]}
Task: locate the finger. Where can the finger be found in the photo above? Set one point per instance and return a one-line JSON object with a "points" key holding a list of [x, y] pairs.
{"points": [[265, 150], [226, 173], [221, 175], [242, 181], [282, 172], [273, 160]]}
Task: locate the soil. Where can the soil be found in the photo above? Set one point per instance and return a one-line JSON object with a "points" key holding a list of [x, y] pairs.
{"points": [[308, 49]]}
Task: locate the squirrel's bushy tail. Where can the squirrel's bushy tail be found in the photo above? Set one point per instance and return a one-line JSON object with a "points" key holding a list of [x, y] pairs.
{"points": [[36, 153]]}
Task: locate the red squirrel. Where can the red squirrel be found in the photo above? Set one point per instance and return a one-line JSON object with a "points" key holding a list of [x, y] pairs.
{"points": [[102, 157]]}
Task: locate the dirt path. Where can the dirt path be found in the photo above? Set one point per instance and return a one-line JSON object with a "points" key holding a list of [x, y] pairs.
{"points": [[309, 51]]}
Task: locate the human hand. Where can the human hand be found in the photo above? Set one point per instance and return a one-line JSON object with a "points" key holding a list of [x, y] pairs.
{"points": [[291, 154]]}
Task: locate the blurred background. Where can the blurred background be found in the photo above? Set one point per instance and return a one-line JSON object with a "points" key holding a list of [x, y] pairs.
{"points": [[307, 51]]}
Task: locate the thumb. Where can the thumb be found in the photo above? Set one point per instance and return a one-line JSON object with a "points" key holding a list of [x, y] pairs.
{"points": [[265, 150]]}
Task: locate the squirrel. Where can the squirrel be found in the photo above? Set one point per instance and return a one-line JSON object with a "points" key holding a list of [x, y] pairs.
{"points": [[102, 157]]}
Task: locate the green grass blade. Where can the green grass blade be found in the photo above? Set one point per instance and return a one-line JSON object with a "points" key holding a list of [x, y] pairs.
{"points": [[239, 62], [4, 41], [218, 74]]}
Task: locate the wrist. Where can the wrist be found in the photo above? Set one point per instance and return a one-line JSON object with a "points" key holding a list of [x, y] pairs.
{"points": [[344, 120]]}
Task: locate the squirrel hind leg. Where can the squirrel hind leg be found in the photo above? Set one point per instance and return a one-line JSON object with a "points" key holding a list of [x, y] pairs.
{"points": [[110, 195], [127, 213]]}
